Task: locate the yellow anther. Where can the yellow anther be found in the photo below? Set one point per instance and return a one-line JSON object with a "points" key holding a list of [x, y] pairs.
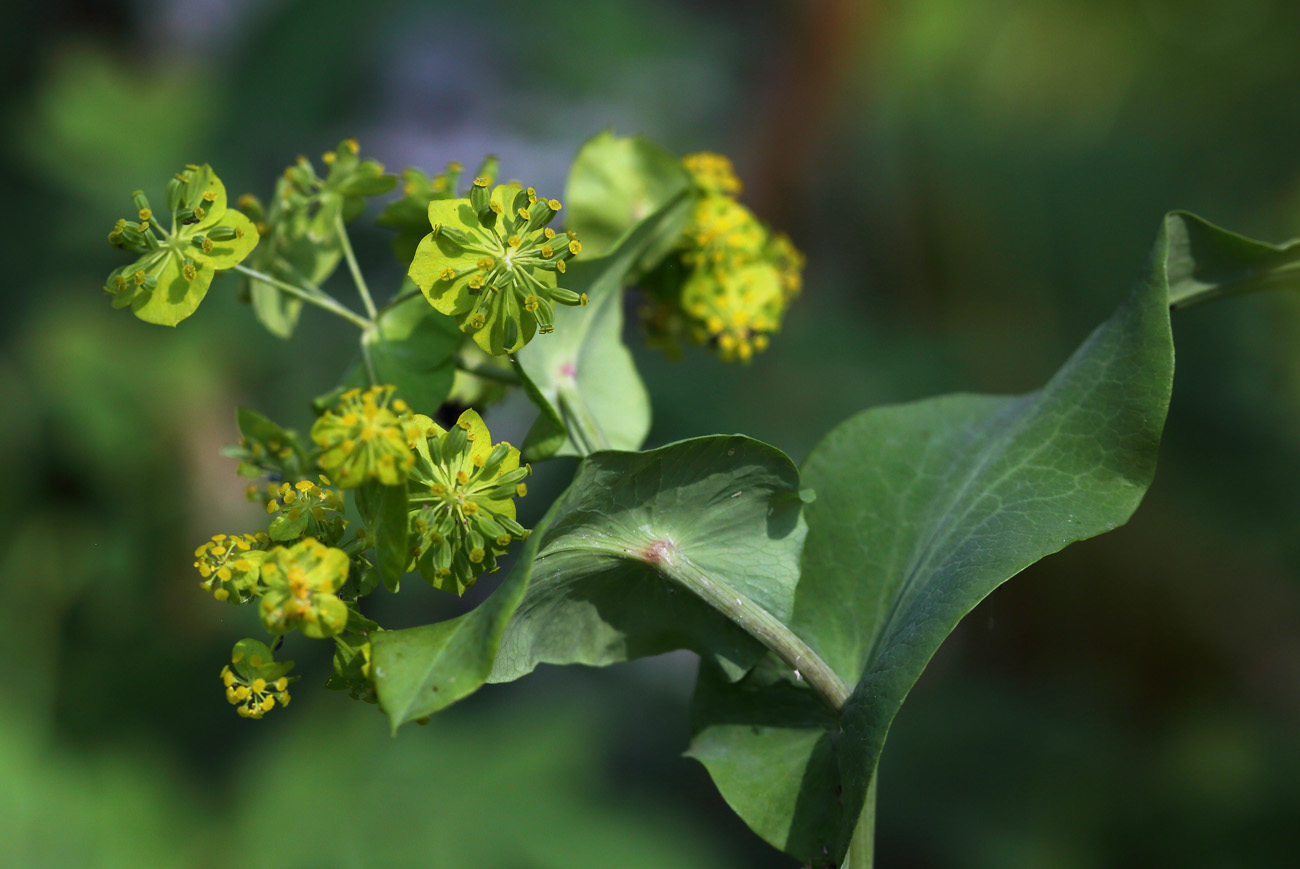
{"points": [[206, 245], [514, 241], [523, 213], [582, 300], [521, 490], [548, 251], [477, 321], [482, 181], [486, 263], [145, 214], [561, 267], [530, 303], [462, 477], [199, 213], [554, 204], [503, 540], [575, 247], [351, 144], [469, 508], [328, 157], [209, 196], [476, 556], [476, 282], [478, 461], [281, 683], [448, 274], [400, 406], [138, 277]]}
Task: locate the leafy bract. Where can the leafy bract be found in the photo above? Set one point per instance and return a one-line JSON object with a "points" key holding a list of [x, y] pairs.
{"points": [[617, 181], [923, 509], [583, 370], [385, 512]]}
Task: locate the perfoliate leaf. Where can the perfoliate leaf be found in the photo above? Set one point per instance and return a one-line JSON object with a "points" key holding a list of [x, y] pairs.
{"points": [[724, 508], [923, 509]]}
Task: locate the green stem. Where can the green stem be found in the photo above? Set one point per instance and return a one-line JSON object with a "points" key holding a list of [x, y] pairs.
{"points": [[862, 850], [367, 336], [322, 300], [487, 372], [398, 299], [756, 621], [357, 277], [578, 419]]}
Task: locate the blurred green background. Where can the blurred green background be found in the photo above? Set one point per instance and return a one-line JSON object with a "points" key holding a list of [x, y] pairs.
{"points": [[975, 186]]}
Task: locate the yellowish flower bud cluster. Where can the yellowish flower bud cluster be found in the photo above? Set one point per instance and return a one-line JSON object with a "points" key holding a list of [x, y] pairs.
{"points": [[231, 564], [364, 438], [305, 508], [729, 283]]}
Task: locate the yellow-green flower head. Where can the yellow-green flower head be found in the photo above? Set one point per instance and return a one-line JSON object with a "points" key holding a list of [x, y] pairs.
{"points": [[712, 173], [306, 508], [301, 582], [493, 262], [789, 261], [364, 438], [722, 231], [466, 487], [736, 308], [257, 682], [176, 262], [230, 565]]}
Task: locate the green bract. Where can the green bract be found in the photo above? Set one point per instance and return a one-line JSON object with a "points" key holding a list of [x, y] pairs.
{"points": [[175, 267], [492, 261], [257, 683], [464, 488], [301, 584], [409, 216], [364, 437]]}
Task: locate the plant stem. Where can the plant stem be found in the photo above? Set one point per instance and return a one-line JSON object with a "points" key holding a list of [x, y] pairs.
{"points": [[578, 419], [862, 850], [398, 299], [757, 622], [319, 299], [487, 372], [351, 257]]}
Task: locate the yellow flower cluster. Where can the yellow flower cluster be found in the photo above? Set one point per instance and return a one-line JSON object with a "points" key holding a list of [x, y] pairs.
{"points": [[306, 508], [730, 283], [257, 681], [230, 565], [364, 437], [302, 582]]}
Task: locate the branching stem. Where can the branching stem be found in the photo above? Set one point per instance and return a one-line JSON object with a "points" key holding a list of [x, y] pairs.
{"points": [[319, 298], [357, 277]]}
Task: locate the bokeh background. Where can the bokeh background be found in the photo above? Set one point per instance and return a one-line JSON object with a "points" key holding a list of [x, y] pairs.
{"points": [[975, 185]]}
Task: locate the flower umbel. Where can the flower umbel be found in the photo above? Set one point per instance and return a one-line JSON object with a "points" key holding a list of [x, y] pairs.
{"points": [[493, 262], [175, 265], [301, 584], [257, 682], [230, 565], [465, 488], [364, 437]]}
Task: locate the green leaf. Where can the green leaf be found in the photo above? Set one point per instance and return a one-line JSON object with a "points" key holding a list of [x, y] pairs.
{"points": [[593, 394], [284, 527], [384, 511], [422, 670], [923, 509], [667, 549], [413, 347], [617, 181]]}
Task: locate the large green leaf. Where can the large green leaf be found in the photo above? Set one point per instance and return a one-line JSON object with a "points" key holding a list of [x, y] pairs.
{"points": [[923, 509], [582, 370], [385, 511], [667, 549], [420, 671]]}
